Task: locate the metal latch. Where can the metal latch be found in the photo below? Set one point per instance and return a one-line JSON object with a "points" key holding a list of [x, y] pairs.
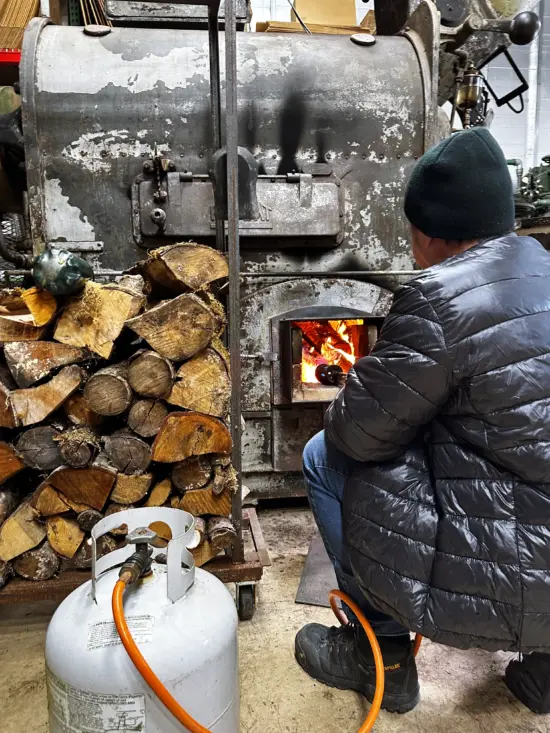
{"points": [[270, 357]]}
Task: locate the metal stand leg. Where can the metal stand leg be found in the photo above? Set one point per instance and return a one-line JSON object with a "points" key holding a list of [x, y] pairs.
{"points": [[234, 314]]}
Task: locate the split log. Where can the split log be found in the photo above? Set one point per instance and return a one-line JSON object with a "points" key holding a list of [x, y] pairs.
{"points": [[42, 563], [115, 509], [96, 317], [146, 417], [6, 573], [7, 414], [89, 486], [35, 404], [178, 328], [64, 535], [19, 328], [20, 532], [199, 533], [162, 530], [150, 374], [127, 453], [80, 413], [203, 385], [203, 553], [41, 305], [201, 502], [30, 361], [88, 519], [159, 494], [182, 267], [6, 377], [221, 533], [108, 392], [185, 434], [39, 449], [10, 463], [9, 499], [76, 506], [78, 447], [193, 473], [48, 502], [82, 559], [131, 489]]}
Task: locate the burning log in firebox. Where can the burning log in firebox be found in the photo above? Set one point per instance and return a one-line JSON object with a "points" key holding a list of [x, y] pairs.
{"points": [[113, 399]]}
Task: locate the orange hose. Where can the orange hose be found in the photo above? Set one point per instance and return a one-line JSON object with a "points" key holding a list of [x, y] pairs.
{"points": [[183, 716], [144, 669]]}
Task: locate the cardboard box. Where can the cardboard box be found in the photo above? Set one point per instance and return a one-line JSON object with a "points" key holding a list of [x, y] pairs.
{"points": [[326, 12]]}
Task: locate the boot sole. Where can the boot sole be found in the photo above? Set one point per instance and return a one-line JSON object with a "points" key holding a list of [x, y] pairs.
{"points": [[390, 703]]}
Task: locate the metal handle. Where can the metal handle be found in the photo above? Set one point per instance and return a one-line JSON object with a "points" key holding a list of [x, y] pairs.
{"points": [[182, 524], [521, 30]]}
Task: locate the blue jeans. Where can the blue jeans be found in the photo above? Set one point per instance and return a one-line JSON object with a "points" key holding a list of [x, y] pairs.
{"points": [[326, 471]]}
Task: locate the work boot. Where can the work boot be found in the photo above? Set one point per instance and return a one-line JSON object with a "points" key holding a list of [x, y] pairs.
{"points": [[341, 657], [529, 680]]}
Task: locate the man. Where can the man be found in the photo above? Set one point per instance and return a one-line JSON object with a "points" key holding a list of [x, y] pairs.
{"points": [[431, 483]]}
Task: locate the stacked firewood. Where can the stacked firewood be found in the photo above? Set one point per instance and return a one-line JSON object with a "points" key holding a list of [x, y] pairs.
{"points": [[115, 398]]}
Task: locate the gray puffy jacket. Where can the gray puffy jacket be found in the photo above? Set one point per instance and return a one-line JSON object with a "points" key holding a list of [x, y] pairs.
{"points": [[448, 520]]}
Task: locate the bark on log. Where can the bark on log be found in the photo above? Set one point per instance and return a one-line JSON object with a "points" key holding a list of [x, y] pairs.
{"points": [[201, 502], [79, 412], [9, 500], [159, 494], [182, 267], [82, 559], [178, 329], [221, 533], [146, 417], [6, 377], [96, 317], [6, 573], [30, 361], [193, 473], [41, 305], [48, 502], [78, 447], [131, 489], [88, 519], [10, 463], [203, 385], [7, 414], [42, 563], [108, 391], [39, 449], [35, 404], [64, 535], [150, 374], [127, 453], [185, 434], [89, 486], [20, 532]]}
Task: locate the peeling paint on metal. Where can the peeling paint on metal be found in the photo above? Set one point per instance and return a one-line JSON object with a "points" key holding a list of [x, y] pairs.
{"points": [[64, 222], [96, 150]]}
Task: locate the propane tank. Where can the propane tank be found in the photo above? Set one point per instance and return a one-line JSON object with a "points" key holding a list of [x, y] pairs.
{"points": [[184, 621]]}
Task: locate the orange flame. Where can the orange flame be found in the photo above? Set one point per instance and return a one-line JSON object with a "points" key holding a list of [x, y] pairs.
{"points": [[329, 353]]}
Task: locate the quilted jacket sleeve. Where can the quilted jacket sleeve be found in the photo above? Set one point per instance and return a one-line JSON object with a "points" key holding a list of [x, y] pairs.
{"points": [[390, 394]]}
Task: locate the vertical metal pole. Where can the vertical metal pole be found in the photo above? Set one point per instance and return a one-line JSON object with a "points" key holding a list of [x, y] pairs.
{"points": [[233, 250], [215, 97]]}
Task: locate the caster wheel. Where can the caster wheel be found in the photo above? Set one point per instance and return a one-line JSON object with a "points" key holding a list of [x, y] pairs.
{"points": [[246, 601]]}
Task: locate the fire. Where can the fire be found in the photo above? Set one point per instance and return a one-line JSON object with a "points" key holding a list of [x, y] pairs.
{"points": [[327, 342]]}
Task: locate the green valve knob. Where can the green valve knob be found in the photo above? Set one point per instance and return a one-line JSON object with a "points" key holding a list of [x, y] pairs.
{"points": [[61, 272]]}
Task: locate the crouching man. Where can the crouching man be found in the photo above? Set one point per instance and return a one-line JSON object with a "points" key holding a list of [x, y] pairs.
{"points": [[431, 482]]}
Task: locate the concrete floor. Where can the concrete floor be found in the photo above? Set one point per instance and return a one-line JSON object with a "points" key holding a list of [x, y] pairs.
{"points": [[461, 691]]}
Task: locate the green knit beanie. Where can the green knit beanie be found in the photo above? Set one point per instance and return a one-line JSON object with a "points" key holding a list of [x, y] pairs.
{"points": [[461, 189]]}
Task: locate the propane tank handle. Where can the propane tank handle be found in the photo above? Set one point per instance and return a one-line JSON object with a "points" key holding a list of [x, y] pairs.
{"points": [[180, 564]]}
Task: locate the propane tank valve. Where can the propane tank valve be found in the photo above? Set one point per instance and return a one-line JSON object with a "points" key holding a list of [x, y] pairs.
{"points": [[139, 564]]}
